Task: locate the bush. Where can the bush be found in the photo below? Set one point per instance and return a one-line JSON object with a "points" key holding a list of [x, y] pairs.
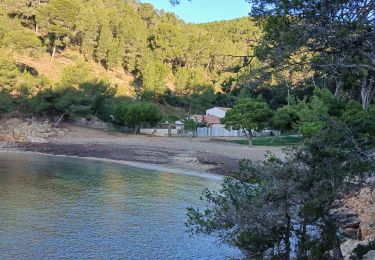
{"points": [[284, 119], [190, 125], [361, 121], [43, 102], [90, 98], [137, 114], [101, 95], [8, 72], [6, 102], [76, 74], [23, 41], [144, 113]]}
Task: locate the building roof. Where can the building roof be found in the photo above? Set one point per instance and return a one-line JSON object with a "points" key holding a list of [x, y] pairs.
{"points": [[210, 120], [225, 109]]}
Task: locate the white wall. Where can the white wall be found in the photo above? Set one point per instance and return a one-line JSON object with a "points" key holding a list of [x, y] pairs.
{"points": [[217, 130], [157, 132], [215, 112]]}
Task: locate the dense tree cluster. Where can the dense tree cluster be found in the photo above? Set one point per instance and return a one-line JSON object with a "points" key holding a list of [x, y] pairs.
{"points": [[155, 46], [333, 39], [280, 209], [192, 66]]}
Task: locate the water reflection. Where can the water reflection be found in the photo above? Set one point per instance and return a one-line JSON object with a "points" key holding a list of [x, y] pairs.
{"points": [[53, 208]]}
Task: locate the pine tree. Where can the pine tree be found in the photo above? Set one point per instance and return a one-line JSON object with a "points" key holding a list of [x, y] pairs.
{"points": [[88, 28], [104, 44], [154, 78], [115, 54], [8, 72], [58, 21]]}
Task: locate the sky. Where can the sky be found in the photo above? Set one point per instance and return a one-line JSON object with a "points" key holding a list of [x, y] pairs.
{"points": [[202, 11]]}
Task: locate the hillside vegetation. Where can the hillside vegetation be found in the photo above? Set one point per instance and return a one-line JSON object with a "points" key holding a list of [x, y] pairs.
{"points": [[148, 51], [53, 51]]}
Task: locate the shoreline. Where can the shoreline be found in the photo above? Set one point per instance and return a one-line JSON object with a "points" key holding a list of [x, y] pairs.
{"points": [[188, 154], [153, 158], [146, 166]]}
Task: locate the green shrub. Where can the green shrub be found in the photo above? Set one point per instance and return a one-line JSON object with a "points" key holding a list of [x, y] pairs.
{"points": [[76, 74], [6, 102], [137, 114], [23, 41]]}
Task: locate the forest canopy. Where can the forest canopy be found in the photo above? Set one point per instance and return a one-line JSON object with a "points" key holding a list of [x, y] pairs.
{"points": [[131, 36]]}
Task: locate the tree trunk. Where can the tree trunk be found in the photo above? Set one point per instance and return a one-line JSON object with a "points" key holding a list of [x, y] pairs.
{"points": [[249, 136], [332, 237], [288, 229], [367, 92], [60, 119], [136, 129], [53, 53], [338, 88], [301, 253], [169, 130], [36, 25]]}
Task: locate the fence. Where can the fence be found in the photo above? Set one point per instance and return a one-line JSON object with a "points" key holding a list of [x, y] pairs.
{"points": [[217, 130]]}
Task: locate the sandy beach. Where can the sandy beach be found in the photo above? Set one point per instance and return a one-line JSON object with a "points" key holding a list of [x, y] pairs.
{"points": [[198, 154]]}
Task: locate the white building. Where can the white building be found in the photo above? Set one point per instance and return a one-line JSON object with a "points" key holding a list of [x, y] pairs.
{"points": [[214, 127], [217, 111]]}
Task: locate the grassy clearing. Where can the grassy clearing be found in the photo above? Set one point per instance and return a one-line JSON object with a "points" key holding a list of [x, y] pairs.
{"points": [[272, 140]]}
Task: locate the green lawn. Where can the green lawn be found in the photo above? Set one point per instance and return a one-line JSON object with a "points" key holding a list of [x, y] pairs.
{"points": [[272, 140]]}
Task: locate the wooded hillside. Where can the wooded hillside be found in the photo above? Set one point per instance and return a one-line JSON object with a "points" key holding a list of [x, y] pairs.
{"points": [[137, 48]]}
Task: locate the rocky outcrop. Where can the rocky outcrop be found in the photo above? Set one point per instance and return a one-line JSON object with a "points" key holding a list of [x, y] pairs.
{"points": [[355, 249], [27, 130], [363, 204], [356, 217]]}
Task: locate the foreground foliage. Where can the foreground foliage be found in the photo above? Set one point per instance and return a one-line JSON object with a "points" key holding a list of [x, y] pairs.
{"points": [[280, 209]]}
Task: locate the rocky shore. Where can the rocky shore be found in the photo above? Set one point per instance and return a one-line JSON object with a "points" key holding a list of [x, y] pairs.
{"points": [[199, 161], [28, 130], [356, 216]]}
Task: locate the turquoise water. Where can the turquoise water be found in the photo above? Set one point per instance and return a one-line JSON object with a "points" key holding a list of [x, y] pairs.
{"points": [[64, 208]]}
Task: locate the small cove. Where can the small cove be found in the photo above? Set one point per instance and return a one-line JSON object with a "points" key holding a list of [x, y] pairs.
{"points": [[59, 207]]}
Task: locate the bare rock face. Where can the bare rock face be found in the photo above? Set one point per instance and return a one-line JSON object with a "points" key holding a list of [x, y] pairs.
{"points": [[348, 247], [354, 249], [19, 130], [363, 204], [356, 216], [352, 233]]}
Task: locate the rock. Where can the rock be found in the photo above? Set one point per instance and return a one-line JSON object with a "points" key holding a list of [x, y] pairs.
{"points": [[355, 249], [369, 256], [32, 139], [351, 233], [348, 247], [367, 231], [28, 130], [354, 224]]}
